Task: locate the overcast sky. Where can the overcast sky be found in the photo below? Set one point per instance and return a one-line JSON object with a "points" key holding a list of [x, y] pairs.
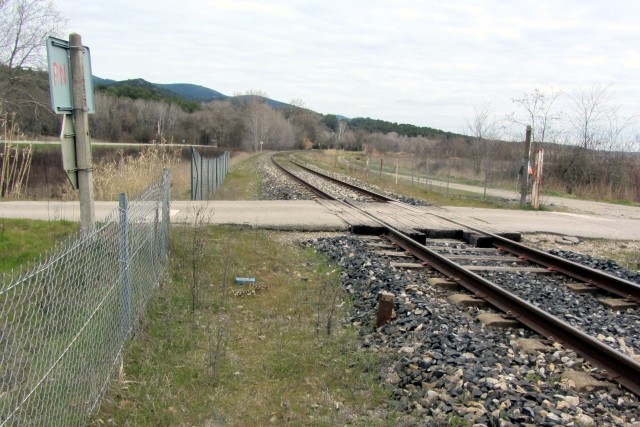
{"points": [[420, 62]]}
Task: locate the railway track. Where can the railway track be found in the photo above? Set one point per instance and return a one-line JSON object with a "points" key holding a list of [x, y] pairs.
{"points": [[338, 189], [506, 257]]}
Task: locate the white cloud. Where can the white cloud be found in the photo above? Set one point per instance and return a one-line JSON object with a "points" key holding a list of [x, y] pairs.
{"points": [[421, 62]]}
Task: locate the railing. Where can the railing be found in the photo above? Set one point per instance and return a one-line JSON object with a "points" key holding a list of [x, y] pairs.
{"points": [[207, 174], [64, 321]]}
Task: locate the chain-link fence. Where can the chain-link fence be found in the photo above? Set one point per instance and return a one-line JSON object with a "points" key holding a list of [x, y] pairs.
{"points": [[207, 174], [65, 321]]}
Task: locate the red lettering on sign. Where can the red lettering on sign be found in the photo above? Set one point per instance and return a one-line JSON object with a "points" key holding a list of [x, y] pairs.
{"points": [[59, 74]]}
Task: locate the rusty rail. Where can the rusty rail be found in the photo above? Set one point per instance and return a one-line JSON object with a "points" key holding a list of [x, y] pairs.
{"points": [[616, 365]]}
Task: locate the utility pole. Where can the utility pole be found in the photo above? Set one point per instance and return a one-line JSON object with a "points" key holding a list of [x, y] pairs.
{"points": [[81, 125], [525, 168]]}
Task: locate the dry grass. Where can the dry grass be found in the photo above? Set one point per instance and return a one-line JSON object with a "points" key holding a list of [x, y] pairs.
{"points": [[436, 195], [278, 367], [15, 162], [132, 174]]}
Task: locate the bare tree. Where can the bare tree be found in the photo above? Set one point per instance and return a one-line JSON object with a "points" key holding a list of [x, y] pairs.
{"points": [[482, 127], [340, 130], [256, 116], [591, 111], [538, 112], [24, 24], [599, 136]]}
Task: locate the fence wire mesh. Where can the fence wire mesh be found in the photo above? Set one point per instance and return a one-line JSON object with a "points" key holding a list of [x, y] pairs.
{"points": [[207, 174], [65, 320]]}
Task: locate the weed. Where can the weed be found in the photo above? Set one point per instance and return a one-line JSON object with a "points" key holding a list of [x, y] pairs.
{"points": [[273, 368], [458, 421], [533, 377], [131, 173], [15, 162], [218, 333]]}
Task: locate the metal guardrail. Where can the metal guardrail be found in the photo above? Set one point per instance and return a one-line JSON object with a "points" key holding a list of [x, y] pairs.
{"points": [[65, 320], [207, 174]]}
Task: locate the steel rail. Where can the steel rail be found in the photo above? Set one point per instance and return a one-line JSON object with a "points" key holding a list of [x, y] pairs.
{"points": [[618, 366], [376, 196], [318, 192], [615, 285], [612, 284]]}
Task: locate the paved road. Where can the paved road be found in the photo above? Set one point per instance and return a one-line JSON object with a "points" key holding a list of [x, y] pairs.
{"points": [[578, 218], [310, 215], [572, 205]]}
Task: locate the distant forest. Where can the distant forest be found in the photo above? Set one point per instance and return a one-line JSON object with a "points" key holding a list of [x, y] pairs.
{"points": [[600, 165], [140, 111], [381, 126]]}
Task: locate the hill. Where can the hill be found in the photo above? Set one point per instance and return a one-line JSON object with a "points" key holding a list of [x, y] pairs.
{"points": [[187, 95], [190, 96], [382, 126], [193, 92], [142, 89]]}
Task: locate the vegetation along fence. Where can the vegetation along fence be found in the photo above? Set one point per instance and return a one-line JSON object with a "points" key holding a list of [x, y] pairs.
{"points": [[65, 321], [207, 174]]}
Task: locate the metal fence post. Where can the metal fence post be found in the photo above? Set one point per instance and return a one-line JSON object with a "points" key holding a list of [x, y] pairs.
{"points": [[216, 176], [193, 181], [166, 214], [102, 280], [125, 274]]}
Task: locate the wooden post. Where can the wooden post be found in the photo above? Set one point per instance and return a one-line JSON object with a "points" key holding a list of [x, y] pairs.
{"points": [[380, 168], [537, 179], [396, 170], [426, 174], [448, 174], [525, 168], [81, 125], [385, 308], [413, 170]]}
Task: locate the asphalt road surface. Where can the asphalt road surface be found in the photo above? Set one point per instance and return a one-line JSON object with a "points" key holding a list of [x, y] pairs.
{"points": [[591, 220]]}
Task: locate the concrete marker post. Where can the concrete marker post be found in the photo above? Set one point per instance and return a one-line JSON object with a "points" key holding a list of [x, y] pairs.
{"points": [[83, 141]]}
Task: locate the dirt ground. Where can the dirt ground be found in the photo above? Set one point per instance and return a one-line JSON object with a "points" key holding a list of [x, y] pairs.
{"points": [[624, 252]]}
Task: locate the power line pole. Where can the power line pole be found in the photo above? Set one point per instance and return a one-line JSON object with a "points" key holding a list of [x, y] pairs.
{"points": [[81, 125]]}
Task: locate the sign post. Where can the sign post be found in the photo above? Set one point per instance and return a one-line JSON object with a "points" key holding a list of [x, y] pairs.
{"points": [[71, 87], [524, 188], [68, 144]]}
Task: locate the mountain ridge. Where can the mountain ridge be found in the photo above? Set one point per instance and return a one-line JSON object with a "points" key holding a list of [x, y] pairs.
{"points": [[189, 96], [190, 92]]}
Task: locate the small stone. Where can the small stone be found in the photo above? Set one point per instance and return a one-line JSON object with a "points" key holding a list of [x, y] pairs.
{"points": [[491, 381], [393, 378], [584, 419], [572, 400], [408, 350]]}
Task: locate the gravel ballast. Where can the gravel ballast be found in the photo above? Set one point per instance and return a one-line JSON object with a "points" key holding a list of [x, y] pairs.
{"points": [[442, 363]]}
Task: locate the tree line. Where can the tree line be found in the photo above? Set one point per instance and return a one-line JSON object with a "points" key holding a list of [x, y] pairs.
{"points": [[590, 147]]}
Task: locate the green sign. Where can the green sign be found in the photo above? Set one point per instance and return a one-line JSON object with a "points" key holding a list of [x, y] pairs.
{"points": [[60, 76]]}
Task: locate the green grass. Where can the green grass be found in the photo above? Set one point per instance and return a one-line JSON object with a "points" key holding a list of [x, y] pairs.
{"points": [[242, 182], [21, 240], [624, 203], [435, 195], [278, 367]]}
